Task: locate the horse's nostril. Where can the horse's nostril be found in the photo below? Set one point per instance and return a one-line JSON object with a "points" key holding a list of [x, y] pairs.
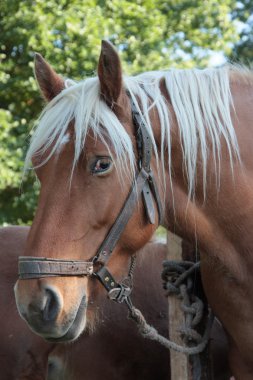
{"points": [[52, 305], [44, 309]]}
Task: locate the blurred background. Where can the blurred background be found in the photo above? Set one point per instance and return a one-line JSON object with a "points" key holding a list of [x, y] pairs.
{"points": [[149, 35]]}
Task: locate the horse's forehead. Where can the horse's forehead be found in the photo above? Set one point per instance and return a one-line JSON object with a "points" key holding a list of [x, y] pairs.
{"points": [[95, 144], [65, 140]]}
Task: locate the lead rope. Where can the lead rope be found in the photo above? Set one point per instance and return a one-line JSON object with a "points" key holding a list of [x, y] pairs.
{"points": [[193, 313], [150, 332]]}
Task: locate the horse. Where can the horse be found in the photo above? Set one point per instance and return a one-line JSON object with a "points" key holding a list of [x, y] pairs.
{"points": [[23, 355], [175, 147]]}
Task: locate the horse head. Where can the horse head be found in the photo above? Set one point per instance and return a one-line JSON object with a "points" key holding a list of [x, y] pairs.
{"points": [[85, 155]]}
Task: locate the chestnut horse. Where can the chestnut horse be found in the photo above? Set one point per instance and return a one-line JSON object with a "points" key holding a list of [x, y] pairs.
{"points": [[86, 150], [23, 355]]}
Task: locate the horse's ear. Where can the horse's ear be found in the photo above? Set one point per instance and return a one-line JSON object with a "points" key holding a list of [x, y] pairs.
{"points": [[109, 73], [50, 83]]}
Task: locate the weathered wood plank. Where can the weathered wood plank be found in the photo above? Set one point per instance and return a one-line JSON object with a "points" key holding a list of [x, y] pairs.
{"points": [[180, 369]]}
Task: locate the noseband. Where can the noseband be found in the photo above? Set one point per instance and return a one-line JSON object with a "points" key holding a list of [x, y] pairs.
{"points": [[144, 183]]}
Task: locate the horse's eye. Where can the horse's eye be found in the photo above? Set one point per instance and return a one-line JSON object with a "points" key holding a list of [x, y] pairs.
{"points": [[101, 166]]}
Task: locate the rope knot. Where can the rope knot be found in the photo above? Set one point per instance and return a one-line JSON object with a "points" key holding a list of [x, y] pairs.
{"points": [[177, 280]]}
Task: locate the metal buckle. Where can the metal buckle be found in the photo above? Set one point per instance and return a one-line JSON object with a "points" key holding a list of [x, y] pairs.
{"points": [[119, 294]]}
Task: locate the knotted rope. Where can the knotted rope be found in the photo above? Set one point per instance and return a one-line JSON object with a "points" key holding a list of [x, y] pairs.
{"points": [[177, 280], [150, 332]]}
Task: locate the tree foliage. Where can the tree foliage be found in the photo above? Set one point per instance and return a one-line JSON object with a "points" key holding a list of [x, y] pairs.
{"points": [[149, 34], [243, 49]]}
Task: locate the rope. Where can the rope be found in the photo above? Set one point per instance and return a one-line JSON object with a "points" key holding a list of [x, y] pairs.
{"points": [[128, 281], [150, 332], [177, 276], [132, 266]]}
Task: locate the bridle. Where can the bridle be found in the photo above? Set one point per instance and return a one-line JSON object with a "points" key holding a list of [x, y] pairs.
{"points": [[144, 183]]}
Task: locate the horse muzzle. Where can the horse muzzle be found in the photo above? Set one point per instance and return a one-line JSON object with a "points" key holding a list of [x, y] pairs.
{"points": [[46, 311]]}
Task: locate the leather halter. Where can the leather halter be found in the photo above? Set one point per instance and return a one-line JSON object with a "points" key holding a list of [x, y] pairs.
{"points": [[144, 183]]}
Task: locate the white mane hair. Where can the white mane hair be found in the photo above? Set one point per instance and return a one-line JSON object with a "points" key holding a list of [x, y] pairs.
{"points": [[201, 100]]}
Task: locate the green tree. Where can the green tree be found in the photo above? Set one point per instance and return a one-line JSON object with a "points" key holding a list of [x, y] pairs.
{"points": [[150, 34], [243, 49]]}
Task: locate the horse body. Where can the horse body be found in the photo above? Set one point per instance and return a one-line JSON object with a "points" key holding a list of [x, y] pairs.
{"points": [[23, 355], [208, 196], [223, 225]]}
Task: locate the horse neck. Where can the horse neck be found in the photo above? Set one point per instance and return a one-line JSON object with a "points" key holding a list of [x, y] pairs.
{"points": [[171, 181], [207, 216], [181, 212]]}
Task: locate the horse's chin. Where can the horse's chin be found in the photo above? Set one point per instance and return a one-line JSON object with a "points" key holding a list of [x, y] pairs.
{"points": [[76, 328]]}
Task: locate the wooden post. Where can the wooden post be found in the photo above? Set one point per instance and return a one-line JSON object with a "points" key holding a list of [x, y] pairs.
{"points": [[179, 363]]}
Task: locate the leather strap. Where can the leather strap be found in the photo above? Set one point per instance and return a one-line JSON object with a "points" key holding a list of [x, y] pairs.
{"points": [[148, 203], [144, 147], [106, 279], [155, 192], [144, 143], [34, 267], [113, 236], [116, 292]]}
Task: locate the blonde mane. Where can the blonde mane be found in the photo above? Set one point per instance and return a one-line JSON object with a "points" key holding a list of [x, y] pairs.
{"points": [[201, 100]]}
